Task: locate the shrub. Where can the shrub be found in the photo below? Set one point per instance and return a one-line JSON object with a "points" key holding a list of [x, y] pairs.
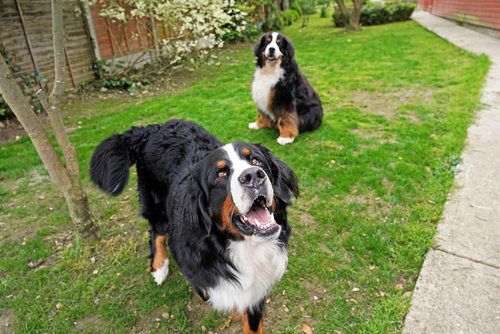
{"points": [[285, 18], [401, 12], [242, 27], [373, 15], [377, 13], [272, 24], [296, 7]]}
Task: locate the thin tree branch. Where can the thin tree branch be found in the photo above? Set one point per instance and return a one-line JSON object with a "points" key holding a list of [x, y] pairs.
{"points": [[53, 108]]}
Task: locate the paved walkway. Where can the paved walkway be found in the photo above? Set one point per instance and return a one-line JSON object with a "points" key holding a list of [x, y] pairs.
{"points": [[458, 290]]}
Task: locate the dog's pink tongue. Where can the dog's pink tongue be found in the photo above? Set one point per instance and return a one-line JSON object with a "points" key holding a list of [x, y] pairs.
{"points": [[260, 215]]}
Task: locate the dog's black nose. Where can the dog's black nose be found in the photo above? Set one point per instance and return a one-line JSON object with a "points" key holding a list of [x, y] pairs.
{"points": [[252, 177], [271, 50]]}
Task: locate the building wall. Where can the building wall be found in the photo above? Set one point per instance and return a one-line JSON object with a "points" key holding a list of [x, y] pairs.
{"points": [[479, 13]]}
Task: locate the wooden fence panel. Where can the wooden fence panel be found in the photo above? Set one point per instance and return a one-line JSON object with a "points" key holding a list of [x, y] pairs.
{"points": [[37, 15]]}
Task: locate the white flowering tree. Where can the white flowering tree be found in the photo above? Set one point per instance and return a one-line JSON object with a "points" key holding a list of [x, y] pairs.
{"points": [[188, 21]]}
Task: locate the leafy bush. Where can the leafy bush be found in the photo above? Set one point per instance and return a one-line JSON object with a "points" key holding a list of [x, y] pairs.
{"points": [[401, 11], [272, 24], [324, 4], [296, 7], [308, 8], [285, 18], [377, 13], [242, 27], [373, 15]]}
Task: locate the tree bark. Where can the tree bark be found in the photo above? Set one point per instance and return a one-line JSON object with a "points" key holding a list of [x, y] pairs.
{"points": [[351, 20], [66, 178], [356, 13]]}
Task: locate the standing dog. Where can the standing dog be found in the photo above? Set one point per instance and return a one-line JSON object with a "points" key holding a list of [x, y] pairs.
{"points": [[285, 99], [222, 208]]}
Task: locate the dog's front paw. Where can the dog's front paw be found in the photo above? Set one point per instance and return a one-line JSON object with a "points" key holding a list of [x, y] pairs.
{"points": [[253, 126], [161, 274], [284, 141]]}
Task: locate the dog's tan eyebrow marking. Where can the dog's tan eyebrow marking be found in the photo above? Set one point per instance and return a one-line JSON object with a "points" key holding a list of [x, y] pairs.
{"points": [[221, 164], [246, 151], [277, 41], [269, 39]]}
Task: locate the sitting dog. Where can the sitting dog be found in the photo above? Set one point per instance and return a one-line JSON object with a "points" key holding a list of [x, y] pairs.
{"points": [[222, 208], [285, 99]]}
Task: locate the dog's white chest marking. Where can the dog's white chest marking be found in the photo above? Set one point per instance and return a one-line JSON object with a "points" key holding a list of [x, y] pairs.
{"points": [[264, 79], [258, 266]]}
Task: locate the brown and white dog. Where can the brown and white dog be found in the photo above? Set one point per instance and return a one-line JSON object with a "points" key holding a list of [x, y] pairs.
{"points": [[285, 99]]}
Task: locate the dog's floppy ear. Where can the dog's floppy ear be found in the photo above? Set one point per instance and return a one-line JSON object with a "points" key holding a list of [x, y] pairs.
{"points": [[257, 49], [193, 204], [289, 50], [284, 180]]}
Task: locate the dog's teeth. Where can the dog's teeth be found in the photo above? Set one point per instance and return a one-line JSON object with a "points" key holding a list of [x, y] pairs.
{"points": [[257, 222], [245, 218]]}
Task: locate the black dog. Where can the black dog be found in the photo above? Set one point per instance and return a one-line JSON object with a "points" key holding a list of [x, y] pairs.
{"points": [[222, 207], [285, 99]]}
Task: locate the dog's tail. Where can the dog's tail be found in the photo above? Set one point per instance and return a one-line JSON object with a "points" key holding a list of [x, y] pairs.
{"points": [[113, 157]]}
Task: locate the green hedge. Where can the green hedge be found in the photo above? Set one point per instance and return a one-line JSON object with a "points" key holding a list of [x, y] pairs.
{"points": [[377, 13], [283, 19]]}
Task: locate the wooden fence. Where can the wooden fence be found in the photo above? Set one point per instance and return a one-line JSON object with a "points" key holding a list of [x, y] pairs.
{"points": [[26, 32]]}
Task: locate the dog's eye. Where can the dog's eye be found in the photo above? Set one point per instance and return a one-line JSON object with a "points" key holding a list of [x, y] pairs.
{"points": [[221, 174], [277, 41], [255, 162]]}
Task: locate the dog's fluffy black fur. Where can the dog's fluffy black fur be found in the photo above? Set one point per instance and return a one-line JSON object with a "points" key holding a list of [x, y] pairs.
{"points": [[212, 202], [283, 95]]}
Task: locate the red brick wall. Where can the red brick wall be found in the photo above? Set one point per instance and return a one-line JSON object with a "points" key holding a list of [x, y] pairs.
{"points": [[482, 13]]}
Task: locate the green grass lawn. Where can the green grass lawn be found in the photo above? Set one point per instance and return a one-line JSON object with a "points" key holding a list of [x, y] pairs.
{"points": [[374, 179]]}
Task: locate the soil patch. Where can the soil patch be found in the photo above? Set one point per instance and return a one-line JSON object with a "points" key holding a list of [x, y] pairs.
{"points": [[90, 324], [388, 104], [7, 321]]}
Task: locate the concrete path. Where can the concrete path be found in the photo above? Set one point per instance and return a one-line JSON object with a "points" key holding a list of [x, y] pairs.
{"points": [[458, 290]]}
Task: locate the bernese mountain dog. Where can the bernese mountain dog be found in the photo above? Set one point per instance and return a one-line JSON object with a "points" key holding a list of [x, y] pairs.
{"points": [[221, 207], [285, 99]]}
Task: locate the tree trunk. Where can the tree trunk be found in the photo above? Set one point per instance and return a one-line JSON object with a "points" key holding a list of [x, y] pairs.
{"points": [[351, 20], [66, 178], [356, 13]]}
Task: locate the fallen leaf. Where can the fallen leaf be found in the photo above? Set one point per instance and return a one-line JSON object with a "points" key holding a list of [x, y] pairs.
{"points": [[306, 329], [41, 197], [408, 293], [113, 217], [382, 294], [399, 286], [372, 267], [430, 201], [355, 289], [59, 305]]}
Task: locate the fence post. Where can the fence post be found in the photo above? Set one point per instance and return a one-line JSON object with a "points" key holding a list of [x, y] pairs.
{"points": [[89, 24], [155, 33]]}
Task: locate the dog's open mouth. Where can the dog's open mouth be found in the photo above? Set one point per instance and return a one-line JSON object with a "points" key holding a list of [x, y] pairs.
{"points": [[259, 220], [271, 58]]}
